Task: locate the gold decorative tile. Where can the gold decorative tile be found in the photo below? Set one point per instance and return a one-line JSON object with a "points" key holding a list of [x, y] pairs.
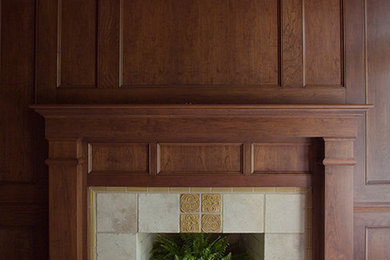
{"points": [[211, 223], [189, 203], [211, 203], [189, 223]]}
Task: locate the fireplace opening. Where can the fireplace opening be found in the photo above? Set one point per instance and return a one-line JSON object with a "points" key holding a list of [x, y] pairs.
{"points": [[267, 222]]}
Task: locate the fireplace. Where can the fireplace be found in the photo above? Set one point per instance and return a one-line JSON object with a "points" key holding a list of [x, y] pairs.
{"points": [[267, 223], [241, 146]]}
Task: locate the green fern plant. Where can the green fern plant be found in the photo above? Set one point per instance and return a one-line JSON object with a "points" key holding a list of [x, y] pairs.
{"points": [[190, 247]]}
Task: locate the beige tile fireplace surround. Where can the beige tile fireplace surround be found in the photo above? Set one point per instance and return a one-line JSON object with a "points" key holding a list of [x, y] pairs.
{"points": [[273, 223]]}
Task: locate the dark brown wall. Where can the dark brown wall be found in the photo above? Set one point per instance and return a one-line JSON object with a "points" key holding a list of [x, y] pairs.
{"points": [[23, 175], [191, 51]]}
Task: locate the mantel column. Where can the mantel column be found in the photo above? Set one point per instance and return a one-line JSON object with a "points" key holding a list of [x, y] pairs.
{"points": [[338, 217], [66, 200]]}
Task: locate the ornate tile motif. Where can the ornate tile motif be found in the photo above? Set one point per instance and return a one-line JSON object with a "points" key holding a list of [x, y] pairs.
{"points": [[189, 223], [211, 203], [211, 223], [190, 203]]}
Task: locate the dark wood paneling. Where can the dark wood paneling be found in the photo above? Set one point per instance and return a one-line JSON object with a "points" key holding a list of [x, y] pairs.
{"points": [[200, 42], [18, 243], [16, 93], [76, 43], [200, 158], [67, 200], [23, 176], [203, 95], [207, 180], [378, 127], [292, 43], [113, 157], [372, 231], [372, 180], [190, 51], [281, 157], [378, 243], [323, 42], [109, 43]]}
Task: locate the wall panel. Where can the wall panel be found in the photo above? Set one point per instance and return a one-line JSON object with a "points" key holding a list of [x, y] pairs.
{"points": [[200, 42], [378, 121], [200, 158], [323, 42], [372, 231], [191, 51], [118, 157], [23, 176], [76, 43]]}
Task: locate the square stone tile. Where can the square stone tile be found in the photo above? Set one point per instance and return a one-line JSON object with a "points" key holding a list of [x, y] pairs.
{"points": [[116, 246], [284, 247], [211, 223], [211, 203], [190, 223], [158, 213], [116, 212], [285, 213], [190, 203], [243, 213]]}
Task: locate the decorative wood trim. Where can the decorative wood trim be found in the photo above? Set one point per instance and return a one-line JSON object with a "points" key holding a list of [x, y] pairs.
{"points": [[258, 180], [338, 207], [203, 124], [154, 158]]}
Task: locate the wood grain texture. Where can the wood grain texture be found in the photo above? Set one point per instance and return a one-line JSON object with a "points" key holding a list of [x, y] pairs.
{"points": [[76, 43], [23, 176], [205, 180], [119, 157], [281, 157], [16, 93], [372, 231], [192, 51], [378, 13], [338, 199], [200, 158], [109, 44], [377, 243], [200, 42], [292, 43], [203, 95], [323, 42], [67, 202], [22, 241]]}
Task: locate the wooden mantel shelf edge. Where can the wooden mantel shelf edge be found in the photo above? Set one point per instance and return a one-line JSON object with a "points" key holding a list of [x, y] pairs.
{"points": [[49, 110]]}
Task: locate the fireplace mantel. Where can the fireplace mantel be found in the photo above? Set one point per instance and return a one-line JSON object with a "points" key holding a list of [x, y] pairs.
{"points": [[90, 145]]}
